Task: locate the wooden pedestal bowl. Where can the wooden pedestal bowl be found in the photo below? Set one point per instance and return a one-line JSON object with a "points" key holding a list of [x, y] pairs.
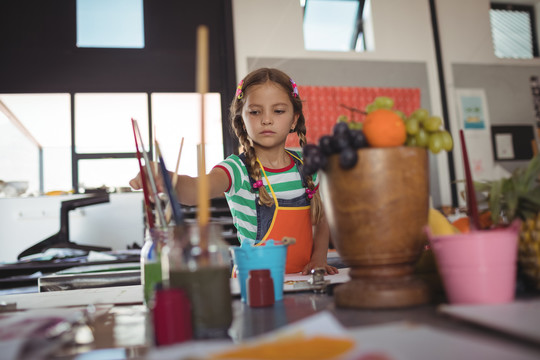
{"points": [[376, 212]]}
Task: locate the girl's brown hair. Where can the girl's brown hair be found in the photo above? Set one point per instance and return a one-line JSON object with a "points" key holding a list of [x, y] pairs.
{"points": [[278, 77]]}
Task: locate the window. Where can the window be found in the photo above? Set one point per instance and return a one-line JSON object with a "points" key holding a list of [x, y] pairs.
{"points": [[35, 144], [103, 121], [337, 25], [37, 147], [514, 31], [110, 24], [177, 115]]}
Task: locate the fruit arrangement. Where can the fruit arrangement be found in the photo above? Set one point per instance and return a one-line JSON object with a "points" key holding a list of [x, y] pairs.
{"points": [[382, 126]]}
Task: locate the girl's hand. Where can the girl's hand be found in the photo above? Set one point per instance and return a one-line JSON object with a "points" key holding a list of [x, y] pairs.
{"points": [[136, 182], [329, 270]]}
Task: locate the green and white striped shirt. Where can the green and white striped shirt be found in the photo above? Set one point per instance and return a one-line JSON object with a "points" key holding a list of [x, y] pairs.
{"points": [[286, 184]]}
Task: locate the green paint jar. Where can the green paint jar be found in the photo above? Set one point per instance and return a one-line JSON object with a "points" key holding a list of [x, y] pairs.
{"points": [[151, 274]]}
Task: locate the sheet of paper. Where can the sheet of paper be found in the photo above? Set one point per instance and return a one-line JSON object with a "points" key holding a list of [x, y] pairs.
{"points": [[108, 295], [504, 146], [406, 341], [479, 149], [291, 279], [519, 318]]}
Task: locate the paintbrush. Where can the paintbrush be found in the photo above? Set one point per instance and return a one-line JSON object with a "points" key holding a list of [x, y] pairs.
{"points": [[471, 195], [203, 202], [173, 201], [149, 217], [168, 208], [151, 178]]}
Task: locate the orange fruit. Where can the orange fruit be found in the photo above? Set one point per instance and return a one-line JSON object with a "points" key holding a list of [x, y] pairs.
{"points": [[485, 220], [462, 224], [384, 128]]}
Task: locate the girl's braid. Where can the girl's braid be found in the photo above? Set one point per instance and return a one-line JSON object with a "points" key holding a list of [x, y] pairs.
{"points": [[252, 165], [316, 204]]}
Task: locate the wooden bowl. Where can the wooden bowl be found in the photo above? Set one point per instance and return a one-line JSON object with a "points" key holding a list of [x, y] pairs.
{"points": [[376, 212]]}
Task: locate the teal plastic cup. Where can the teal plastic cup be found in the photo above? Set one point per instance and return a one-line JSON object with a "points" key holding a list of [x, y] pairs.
{"points": [[269, 256]]}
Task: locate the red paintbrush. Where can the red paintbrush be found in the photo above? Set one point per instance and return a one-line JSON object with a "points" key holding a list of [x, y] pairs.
{"points": [[471, 195], [149, 216]]}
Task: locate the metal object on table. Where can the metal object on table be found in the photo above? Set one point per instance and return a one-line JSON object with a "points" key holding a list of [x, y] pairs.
{"points": [[316, 282], [6, 307]]}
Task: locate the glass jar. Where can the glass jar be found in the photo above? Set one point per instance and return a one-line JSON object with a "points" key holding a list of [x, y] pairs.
{"points": [[197, 260], [155, 240]]}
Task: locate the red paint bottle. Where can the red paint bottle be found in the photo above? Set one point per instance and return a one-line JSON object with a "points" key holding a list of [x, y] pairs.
{"points": [[172, 317], [260, 288]]}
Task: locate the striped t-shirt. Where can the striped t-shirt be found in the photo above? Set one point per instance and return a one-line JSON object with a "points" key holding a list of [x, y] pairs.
{"points": [[286, 184]]}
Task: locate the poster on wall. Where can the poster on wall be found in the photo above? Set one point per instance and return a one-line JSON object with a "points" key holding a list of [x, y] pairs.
{"points": [[324, 104], [472, 109], [474, 120]]}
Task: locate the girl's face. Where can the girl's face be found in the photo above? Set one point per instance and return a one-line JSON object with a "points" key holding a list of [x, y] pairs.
{"points": [[268, 115]]}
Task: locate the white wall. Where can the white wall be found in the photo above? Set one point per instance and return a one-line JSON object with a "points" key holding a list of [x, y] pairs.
{"points": [[26, 221], [402, 31], [465, 34]]}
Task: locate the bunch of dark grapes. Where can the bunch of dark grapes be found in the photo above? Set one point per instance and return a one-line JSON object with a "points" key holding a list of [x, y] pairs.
{"points": [[343, 141]]}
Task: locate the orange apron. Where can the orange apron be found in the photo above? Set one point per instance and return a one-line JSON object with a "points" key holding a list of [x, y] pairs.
{"points": [[291, 218]]}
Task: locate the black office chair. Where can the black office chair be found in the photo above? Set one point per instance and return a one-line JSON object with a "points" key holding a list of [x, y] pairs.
{"points": [[61, 238]]}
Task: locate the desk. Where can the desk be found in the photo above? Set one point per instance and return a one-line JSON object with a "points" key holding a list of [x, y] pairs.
{"points": [[125, 327]]}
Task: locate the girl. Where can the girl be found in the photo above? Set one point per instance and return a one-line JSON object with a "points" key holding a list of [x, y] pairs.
{"points": [[268, 196]]}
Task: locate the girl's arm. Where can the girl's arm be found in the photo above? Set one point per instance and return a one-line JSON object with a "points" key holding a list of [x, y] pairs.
{"points": [[186, 186], [321, 239]]}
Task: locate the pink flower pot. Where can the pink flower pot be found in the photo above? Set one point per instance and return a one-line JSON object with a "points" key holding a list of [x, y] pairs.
{"points": [[478, 267]]}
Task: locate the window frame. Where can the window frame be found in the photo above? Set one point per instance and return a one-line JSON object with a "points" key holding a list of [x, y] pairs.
{"points": [[358, 30], [75, 156], [521, 8]]}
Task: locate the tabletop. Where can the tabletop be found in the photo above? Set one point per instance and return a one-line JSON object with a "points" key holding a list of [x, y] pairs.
{"points": [[118, 326], [125, 332]]}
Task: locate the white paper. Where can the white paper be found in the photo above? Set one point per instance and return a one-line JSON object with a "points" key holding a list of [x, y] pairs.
{"points": [[81, 297], [290, 280], [479, 150], [407, 341], [505, 146]]}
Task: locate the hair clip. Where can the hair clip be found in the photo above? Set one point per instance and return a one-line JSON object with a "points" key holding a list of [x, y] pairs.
{"points": [[310, 193], [257, 184], [239, 94], [294, 88]]}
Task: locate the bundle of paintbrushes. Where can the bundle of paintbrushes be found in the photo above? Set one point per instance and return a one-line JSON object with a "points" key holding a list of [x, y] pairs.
{"points": [[150, 186]]}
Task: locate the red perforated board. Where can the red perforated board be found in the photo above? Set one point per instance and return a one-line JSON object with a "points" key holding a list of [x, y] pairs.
{"points": [[322, 106]]}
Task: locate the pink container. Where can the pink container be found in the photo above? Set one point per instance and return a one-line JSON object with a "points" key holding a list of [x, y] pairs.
{"points": [[478, 267]]}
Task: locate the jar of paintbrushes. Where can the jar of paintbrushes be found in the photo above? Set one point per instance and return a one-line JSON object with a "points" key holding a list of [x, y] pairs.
{"points": [[197, 260]]}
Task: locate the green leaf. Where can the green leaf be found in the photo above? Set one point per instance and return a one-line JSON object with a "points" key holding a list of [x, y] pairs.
{"points": [[495, 204], [515, 196], [530, 177]]}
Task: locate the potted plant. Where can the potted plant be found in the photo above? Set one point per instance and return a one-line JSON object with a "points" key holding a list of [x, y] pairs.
{"points": [[518, 197]]}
